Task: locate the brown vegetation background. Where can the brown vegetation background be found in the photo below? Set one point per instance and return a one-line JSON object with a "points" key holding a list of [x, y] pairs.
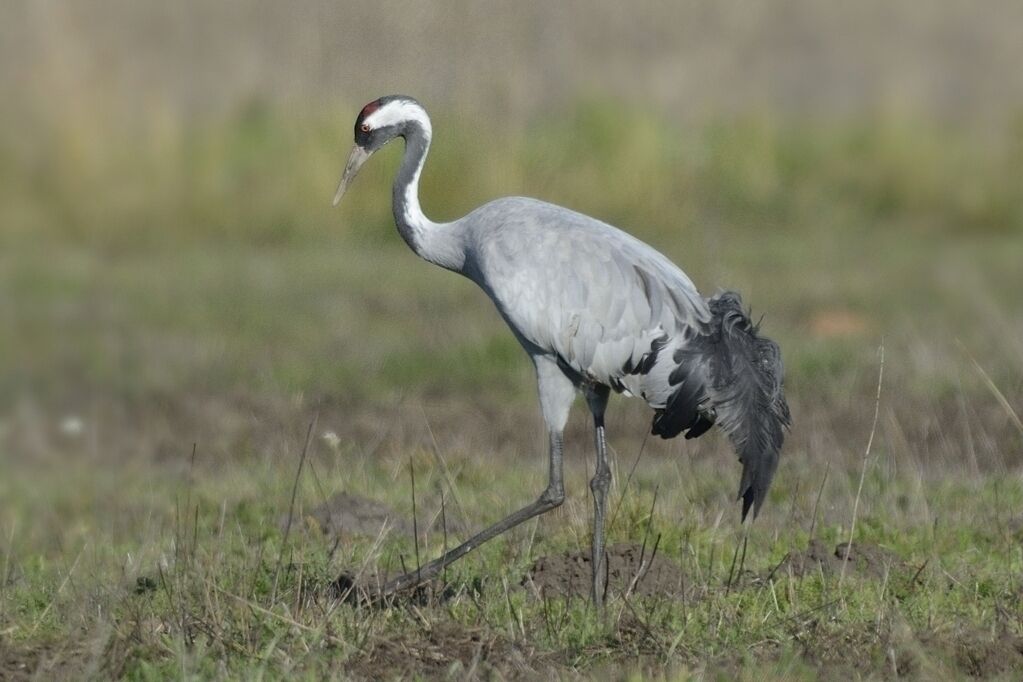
{"points": [[947, 59]]}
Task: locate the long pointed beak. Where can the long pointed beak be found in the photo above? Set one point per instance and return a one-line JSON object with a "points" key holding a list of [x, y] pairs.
{"points": [[355, 161]]}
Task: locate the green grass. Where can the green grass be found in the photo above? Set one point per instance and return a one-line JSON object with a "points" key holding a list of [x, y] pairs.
{"points": [[170, 284], [176, 576]]}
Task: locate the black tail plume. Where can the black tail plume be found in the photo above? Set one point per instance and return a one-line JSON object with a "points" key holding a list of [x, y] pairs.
{"points": [[746, 387]]}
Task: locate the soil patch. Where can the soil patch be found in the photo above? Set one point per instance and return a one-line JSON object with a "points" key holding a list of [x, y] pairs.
{"points": [[863, 559], [449, 650], [629, 569], [43, 660], [968, 652], [984, 657], [17, 665]]}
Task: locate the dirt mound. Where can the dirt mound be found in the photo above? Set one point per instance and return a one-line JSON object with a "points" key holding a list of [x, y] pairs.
{"points": [[863, 559], [569, 574]]}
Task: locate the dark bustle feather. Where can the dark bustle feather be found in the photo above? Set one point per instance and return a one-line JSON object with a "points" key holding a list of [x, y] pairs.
{"points": [[734, 377]]}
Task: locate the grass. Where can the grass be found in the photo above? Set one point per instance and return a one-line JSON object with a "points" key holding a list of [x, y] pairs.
{"points": [[179, 284]]}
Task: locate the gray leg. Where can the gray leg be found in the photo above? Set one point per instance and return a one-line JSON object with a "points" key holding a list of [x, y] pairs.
{"points": [[599, 485], [556, 396], [552, 497], [555, 479]]}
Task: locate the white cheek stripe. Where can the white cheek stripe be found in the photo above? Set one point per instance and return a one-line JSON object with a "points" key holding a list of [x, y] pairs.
{"points": [[399, 111]]}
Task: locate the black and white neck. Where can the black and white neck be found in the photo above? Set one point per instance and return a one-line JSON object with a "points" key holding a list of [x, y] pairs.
{"points": [[438, 243]]}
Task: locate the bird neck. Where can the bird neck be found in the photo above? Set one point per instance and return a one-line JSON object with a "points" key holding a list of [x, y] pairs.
{"points": [[435, 242]]}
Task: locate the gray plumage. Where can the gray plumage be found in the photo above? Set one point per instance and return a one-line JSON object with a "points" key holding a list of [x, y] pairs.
{"points": [[597, 310]]}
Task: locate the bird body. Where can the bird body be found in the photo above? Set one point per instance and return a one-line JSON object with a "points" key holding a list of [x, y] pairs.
{"points": [[597, 310], [583, 292]]}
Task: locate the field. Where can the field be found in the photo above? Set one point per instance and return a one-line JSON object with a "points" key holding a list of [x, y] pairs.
{"points": [[183, 309]]}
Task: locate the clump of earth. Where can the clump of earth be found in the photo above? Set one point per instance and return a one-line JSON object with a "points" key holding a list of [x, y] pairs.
{"points": [[631, 569], [863, 559]]}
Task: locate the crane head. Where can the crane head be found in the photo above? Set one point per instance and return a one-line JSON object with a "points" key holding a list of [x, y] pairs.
{"points": [[378, 123]]}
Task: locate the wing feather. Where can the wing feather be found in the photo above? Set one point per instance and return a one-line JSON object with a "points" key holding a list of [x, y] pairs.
{"points": [[580, 289]]}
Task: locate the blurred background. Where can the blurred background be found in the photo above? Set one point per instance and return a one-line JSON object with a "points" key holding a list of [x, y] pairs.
{"points": [[178, 301], [171, 271]]}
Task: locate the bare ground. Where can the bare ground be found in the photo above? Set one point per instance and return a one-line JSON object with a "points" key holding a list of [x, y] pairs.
{"points": [[632, 569]]}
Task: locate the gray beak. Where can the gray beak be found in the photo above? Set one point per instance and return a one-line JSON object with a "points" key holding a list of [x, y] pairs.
{"points": [[355, 161]]}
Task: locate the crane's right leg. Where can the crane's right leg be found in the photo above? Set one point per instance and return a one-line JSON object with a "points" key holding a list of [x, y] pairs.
{"points": [[556, 395], [599, 485]]}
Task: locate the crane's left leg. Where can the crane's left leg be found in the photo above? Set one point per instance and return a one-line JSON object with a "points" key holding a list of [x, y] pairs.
{"points": [[556, 395], [600, 483]]}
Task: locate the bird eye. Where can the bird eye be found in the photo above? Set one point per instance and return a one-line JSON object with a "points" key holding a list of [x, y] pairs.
{"points": [[364, 127]]}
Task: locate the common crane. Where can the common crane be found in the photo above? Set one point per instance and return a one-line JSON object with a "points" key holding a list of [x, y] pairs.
{"points": [[596, 310]]}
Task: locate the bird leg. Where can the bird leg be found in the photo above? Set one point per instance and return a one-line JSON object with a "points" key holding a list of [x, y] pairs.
{"points": [[599, 485], [552, 497]]}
